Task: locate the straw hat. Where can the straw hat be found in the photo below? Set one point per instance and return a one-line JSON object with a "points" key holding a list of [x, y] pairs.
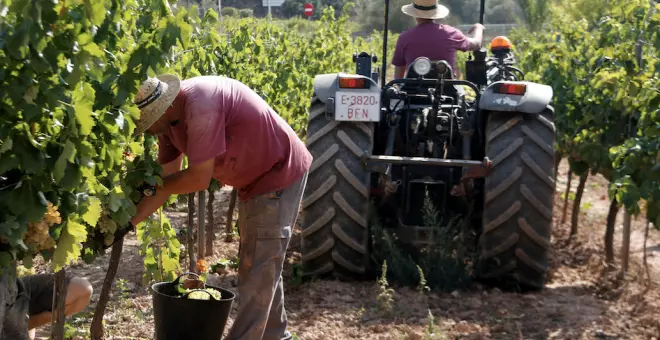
{"points": [[426, 9], [154, 98]]}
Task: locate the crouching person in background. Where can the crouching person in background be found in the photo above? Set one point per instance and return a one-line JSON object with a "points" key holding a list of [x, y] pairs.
{"points": [[32, 306], [41, 288]]}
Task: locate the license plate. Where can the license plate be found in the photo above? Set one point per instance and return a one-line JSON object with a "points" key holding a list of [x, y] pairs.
{"points": [[357, 106]]}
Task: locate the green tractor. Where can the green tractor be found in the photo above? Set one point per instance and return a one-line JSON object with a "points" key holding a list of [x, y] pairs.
{"points": [[395, 143]]}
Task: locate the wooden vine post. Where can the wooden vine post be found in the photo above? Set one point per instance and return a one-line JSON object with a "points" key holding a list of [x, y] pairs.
{"points": [[229, 226], [577, 204], [625, 247], [59, 302], [566, 194], [211, 221], [189, 233], [609, 232], [96, 328], [201, 218]]}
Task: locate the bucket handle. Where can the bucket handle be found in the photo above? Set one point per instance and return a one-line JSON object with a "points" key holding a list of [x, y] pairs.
{"points": [[176, 281]]}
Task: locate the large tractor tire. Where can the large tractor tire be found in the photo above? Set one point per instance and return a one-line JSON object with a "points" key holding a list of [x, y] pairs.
{"points": [[335, 229], [519, 199]]}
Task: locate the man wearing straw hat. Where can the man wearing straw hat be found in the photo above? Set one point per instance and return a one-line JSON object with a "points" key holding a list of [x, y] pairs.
{"points": [[228, 132], [431, 40]]}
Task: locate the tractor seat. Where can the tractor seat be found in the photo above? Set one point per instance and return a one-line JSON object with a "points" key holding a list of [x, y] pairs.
{"points": [[433, 74], [449, 90]]}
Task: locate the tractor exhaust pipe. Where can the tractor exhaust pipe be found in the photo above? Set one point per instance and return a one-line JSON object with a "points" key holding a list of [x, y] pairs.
{"points": [[482, 10], [386, 30]]}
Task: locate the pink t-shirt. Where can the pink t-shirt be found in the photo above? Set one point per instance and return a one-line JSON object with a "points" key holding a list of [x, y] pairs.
{"points": [[434, 41], [255, 150]]}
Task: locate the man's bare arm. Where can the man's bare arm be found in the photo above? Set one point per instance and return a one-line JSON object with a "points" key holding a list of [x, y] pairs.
{"points": [[399, 72], [476, 40], [173, 166]]}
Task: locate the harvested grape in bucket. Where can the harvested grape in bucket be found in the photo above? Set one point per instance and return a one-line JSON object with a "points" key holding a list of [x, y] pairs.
{"points": [[195, 288]]}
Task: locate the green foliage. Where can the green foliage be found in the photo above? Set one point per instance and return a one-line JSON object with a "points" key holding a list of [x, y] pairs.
{"points": [[442, 264], [245, 13], [229, 11], [385, 297], [607, 104], [534, 13], [71, 69]]}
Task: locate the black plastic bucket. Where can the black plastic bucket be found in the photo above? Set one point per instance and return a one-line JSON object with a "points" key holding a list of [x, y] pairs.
{"points": [[178, 318]]}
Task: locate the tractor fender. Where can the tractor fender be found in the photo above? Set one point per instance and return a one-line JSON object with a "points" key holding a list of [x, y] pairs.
{"points": [[537, 97], [327, 85]]}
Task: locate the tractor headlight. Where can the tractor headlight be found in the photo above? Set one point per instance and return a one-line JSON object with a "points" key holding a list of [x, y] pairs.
{"points": [[422, 66]]}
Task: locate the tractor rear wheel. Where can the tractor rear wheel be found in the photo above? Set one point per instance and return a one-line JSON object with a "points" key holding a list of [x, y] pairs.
{"points": [[335, 229], [519, 199]]}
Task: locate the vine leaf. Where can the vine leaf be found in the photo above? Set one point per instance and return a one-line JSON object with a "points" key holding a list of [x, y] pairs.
{"points": [[69, 244], [83, 100], [94, 211], [68, 154], [6, 145], [95, 11], [25, 201]]}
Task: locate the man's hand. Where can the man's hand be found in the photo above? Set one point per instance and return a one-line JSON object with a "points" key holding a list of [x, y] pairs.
{"points": [[194, 178], [476, 41], [476, 27]]}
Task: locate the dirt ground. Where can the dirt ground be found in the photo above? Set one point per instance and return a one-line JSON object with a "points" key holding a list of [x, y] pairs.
{"points": [[578, 303]]}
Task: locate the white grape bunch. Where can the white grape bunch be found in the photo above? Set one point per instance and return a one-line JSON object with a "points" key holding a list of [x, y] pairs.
{"points": [[38, 235], [202, 294], [107, 227]]}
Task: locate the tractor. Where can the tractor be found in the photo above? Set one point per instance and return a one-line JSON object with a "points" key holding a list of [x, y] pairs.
{"points": [[423, 136]]}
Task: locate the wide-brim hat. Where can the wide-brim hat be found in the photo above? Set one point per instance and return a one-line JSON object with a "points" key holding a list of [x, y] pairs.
{"points": [[153, 99], [426, 9]]}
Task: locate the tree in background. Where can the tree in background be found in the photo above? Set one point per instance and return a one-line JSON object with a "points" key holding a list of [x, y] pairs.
{"points": [[573, 10], [293, 8], [374, 14], [535, 13], [501, 12], [461, 12], [229, 11], [369, 14]]}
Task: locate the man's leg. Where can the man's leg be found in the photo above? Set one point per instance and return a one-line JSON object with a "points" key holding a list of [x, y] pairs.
{"points": [[41, 287], [289, 209], [265, 225]]}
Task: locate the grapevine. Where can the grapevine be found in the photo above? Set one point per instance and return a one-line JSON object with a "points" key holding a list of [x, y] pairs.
{"points": [[71, 70], [607, 102]]}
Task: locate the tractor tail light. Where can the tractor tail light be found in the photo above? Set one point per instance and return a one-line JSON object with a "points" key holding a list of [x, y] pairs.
{"points": [[514, 89], [352, 83]]}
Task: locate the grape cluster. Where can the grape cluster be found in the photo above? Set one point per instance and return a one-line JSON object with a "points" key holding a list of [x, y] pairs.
{"points": [[202, 295], [107, 227], [38, 235]]}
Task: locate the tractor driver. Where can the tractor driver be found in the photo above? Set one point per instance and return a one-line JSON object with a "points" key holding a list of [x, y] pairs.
{"points": [[431, 40]]}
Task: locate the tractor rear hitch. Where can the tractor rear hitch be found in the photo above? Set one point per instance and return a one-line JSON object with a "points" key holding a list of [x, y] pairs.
{"points": [[478, 166], [464, 187]]}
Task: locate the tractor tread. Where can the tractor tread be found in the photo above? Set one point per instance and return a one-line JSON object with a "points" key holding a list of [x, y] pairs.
{"points": [[519, 198], [536, 202], [318, 162], [350, 178], [547, 178], [532, 234], [504, 185], [510, 150], [335, 233]]}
